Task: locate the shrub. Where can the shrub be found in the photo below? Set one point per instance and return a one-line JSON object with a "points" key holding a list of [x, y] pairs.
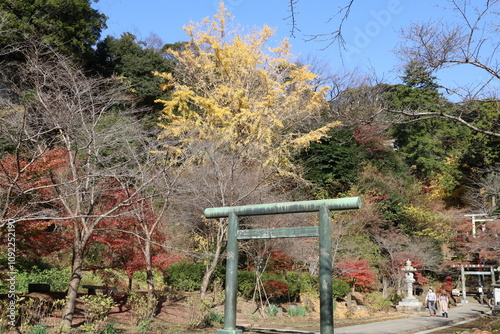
{"points": [[91, 278], [144, 326], [184, 276], [96, 309], [275, 290], [294, 285], [289, 288], [246, 283], [395, 298], [58, 279], [39, 329], [33, 310], [276, 287], [216, 317], [199, 313], [340, 288], [143, 307], [297, 310], [309, 284], [272, 310], [110, 328]]}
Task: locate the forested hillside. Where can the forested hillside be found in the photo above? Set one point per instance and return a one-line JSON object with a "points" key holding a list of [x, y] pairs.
{"points": [[111, 148]]}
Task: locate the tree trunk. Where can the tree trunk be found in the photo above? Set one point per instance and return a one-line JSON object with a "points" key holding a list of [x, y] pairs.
{"points": [[211, 268], [208, 273], [76, 277], [149, 267]]}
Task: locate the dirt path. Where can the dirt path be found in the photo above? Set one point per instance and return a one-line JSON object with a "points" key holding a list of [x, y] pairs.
{"points": [[177, 313]]}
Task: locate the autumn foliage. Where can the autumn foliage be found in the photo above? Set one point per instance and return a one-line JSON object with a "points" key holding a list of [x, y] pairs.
{"points": [[275, 289], [31, 201], [93, 184], [41, 219], [357, 272]]}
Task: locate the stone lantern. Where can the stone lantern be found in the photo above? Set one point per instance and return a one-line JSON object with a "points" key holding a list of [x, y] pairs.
{"points": [[409, 270], [409, 303]]}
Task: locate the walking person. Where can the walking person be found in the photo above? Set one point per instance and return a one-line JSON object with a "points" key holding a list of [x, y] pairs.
{"points": [[443, 302], [491, 299], [430, 300]]}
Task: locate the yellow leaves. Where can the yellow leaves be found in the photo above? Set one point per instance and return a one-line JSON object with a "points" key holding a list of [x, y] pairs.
{"points": [[435, 191], [278, 123], [201, 242], [179, 106], [419, 214], [11, 110], [441, 231], [314, 136], [167, 79], [164, 76], [444, 184], [428, 223], [234, 90]]}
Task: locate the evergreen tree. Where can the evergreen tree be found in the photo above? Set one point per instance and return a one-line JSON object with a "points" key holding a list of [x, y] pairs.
{"points": [[430, 146], [71, 25], [135, 61]]}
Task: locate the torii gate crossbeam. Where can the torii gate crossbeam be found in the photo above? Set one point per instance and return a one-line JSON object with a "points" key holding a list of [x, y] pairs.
{"points": [[323, 231]]}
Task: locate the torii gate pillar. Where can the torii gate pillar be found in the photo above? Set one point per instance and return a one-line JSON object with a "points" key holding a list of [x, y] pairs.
{"points": [[324, 232]]}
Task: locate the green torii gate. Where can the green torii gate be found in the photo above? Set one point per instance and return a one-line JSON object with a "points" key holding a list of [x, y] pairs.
{"points": [[323, 231]]}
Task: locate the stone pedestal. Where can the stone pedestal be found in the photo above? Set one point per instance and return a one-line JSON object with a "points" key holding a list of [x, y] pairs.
{"points": [[229, 331], [410, 305]]}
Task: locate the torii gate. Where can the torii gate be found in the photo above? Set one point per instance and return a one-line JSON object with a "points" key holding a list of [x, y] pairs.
{"points": [[323, 231], [478, 271]]}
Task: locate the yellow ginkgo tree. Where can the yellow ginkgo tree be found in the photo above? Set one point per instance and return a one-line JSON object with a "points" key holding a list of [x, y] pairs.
{"points": [[235, 90], [238, 109]]}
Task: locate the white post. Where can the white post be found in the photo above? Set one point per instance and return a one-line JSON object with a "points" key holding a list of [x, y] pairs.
{"points": [[474, 220]]}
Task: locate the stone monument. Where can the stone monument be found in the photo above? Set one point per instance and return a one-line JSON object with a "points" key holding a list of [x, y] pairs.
{"points": [[410, 303]]}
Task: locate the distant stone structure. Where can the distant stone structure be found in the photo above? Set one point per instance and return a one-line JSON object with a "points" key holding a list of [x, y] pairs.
{"points": [[410, 303]]}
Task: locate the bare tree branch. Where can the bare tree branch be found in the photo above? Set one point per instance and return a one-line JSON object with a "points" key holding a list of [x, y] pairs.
{"points": [[421, 114]]}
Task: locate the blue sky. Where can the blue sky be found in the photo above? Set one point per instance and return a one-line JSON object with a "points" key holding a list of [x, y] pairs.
{"points": [[370, 32]]}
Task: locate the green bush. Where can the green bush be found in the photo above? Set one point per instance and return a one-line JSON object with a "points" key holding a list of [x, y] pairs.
{"points": [[144, 326], [185, 276], [272, 310], [297, 283], [294, 285], [297, 310], [246, 283], [198, 312], [395, 298], [276, 287], [31, 311], [309, 284], [110, 328], [58, 278], [96, 309], [216, 317], [340, 288], [143, 307], [39, 329]]}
